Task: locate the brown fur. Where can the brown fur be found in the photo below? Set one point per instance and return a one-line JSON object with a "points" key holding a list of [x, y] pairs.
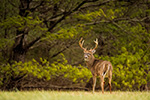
{"points": [[99, 68]]}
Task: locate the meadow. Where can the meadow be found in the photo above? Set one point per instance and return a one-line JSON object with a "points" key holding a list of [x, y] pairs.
{"points": [[73, 95]]}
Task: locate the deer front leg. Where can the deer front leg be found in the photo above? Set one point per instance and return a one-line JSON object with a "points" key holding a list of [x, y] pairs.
{"points": [[102, 83], [94, 83]]}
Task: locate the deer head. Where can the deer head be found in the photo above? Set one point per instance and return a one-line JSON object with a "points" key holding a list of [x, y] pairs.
{"points": [[88, 54]]}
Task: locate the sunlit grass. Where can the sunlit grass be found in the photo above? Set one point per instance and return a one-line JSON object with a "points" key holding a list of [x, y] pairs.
{"points": [[73, 95]]}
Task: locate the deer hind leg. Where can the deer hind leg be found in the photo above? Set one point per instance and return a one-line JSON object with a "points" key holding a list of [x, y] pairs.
{"points": [[110, 84], [107, 69], [102, 83], [94, 83], [110, 78]]}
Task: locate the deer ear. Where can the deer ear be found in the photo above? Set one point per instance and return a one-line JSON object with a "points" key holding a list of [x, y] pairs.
{"points": [[93, 51]]}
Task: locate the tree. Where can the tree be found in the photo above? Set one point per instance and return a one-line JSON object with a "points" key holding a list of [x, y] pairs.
{"points": [[46, 28], [29, 18]]}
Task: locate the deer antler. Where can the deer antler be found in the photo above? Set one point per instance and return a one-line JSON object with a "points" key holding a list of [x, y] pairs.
{"points": [[96, 44], [81, 43]]}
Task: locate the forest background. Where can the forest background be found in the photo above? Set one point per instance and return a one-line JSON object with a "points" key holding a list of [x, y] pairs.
{"points": [[39, 43]]}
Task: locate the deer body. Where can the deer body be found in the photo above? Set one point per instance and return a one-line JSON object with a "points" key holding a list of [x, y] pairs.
{"points": [[97, 67]]}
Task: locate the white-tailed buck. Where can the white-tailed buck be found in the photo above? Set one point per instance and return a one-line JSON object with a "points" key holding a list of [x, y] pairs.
{"points": [[98, 67]]}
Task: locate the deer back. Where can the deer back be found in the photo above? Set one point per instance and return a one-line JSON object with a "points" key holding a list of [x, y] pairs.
{"points": [[100, 67]]}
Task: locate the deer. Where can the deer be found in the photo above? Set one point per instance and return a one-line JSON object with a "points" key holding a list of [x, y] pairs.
{"points": [[99, 68]]}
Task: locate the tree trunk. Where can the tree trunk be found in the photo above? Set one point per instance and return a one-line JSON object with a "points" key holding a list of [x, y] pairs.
{"points": [[19, 50]]}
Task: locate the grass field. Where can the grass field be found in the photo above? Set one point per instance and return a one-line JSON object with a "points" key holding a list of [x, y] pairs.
{"points": [[73, 95]]}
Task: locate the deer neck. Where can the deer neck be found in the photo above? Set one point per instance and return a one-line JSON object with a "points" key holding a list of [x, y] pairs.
{"points": [[90, 62]]}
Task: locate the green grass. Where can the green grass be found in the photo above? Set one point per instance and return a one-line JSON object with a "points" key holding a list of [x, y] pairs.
{"points": [[73, 95]]}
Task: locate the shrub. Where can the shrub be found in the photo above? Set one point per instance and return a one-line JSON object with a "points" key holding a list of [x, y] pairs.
{"points": [[43, 70], [129, 70]]}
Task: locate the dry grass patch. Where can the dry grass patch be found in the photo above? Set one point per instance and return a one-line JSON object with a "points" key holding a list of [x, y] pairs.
{"points": [[73, 95]]}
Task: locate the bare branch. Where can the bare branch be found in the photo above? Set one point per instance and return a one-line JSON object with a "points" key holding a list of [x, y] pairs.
{"points": [[12, 4], [65, 14], [32, 43], [68, 46], [96, 5], [118, 19], [33, 9]]}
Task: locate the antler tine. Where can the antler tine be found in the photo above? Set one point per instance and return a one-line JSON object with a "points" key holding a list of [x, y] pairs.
{"points": [[81, 43], [96, 43]]}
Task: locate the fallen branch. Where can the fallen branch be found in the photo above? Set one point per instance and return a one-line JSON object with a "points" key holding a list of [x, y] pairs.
{"points": [[56, 87]]}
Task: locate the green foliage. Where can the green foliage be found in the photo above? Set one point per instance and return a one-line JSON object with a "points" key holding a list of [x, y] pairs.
{"points": [[19, 22], [45, 70], [90, 16], [129, 70], [66, 33]]}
